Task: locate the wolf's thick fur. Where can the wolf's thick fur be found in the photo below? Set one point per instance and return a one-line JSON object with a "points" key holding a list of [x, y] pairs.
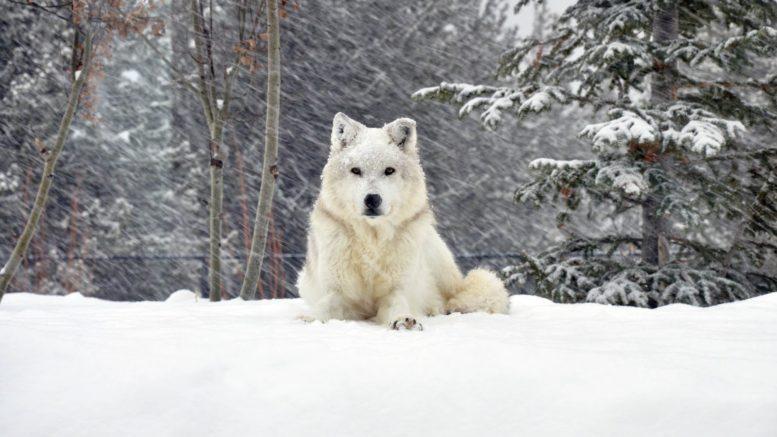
{"points": [[385, 263]]}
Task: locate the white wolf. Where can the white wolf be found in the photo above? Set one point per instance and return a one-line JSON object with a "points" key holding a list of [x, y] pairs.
{"points": [[373, 249]]}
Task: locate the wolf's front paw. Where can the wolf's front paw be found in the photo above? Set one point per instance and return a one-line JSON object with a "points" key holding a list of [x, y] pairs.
{"points": [[406, 323], [306, 318]]}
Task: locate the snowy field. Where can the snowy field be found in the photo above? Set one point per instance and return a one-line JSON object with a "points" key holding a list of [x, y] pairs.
{"points": [[74, 366]]}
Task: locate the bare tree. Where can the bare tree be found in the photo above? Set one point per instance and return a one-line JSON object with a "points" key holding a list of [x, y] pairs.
{"points": [[215, 95], [270, 159], [92, 21], [50, 157]]}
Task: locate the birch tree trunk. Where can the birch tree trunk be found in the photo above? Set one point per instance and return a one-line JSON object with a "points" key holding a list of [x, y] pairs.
{"points": [[214, 116], [654, 243], [269, 163], [215, 214], [50, 162]]}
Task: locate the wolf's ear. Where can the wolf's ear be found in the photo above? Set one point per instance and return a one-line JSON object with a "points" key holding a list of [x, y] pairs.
{"points": [[402, 133], [344, 130]]}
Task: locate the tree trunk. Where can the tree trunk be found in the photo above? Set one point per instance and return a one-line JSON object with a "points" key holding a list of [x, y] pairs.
{"points": [[70, 284], [41, 266], [50, 157], [279, 274], [244, 212], [269, 163], [665, 29], [214, 213], [28, 274]]}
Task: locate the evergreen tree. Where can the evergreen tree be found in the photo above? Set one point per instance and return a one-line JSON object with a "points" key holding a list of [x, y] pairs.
{"points": [[680, 194]]}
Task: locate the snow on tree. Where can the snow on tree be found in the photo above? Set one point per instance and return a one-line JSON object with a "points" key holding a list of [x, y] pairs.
{"points": [[685, 95]]}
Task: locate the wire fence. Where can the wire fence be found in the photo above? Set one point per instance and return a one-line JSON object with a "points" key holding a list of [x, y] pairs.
{"points": [[297, 256], [130, 275]]}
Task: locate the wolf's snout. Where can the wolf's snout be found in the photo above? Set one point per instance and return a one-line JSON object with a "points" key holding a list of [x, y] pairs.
{"points": [[372, 203]]}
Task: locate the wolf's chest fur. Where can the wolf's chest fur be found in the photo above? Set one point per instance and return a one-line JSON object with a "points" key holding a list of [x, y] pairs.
{"points": [[373, 264]]}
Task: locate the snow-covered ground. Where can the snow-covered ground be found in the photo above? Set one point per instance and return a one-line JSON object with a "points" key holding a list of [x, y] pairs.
{"points": [[74, 366]]}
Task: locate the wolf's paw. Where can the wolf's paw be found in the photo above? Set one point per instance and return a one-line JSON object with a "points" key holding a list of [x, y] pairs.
{"points": [[406, 323], [306, 318]]}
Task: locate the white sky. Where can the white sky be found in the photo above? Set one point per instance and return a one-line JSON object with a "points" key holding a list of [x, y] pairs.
{"points": [[526, 18]]}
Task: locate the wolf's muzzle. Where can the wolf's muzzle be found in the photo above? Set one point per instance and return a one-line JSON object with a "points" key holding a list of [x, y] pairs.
{"points": [[372, 205]]}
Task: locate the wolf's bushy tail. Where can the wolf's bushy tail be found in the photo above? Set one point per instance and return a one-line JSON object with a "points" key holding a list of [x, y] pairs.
{"points": [[481, 290]]}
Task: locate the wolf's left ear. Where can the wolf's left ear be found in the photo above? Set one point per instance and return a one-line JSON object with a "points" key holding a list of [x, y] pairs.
{"points": [[402, 133]]}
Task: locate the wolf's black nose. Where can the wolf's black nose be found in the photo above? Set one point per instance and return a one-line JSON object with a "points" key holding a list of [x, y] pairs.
{"points": [[372, 201]]}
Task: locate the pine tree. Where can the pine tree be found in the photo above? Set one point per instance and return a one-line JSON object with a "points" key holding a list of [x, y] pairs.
{"points": [[680, 195]]}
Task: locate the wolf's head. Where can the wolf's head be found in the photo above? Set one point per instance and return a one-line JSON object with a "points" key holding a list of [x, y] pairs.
{"points": [[374, 174]]}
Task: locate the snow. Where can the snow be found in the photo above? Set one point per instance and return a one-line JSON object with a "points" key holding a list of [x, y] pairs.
{"points": [[492, 116], [77, 366], [10, 180], [495, 100], [632, 184], [182, 295], [623, 177], [466, 90], [536, 103], [620, 289], [704, 137], [544, 163], [615, 48], [629, 127], [124, 136], [462, 91], [617, 51], [131, 75], [425, 92]]}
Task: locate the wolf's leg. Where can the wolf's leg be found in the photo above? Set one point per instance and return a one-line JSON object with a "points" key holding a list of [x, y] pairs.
{"points": [[330, 306], [394, 311]]}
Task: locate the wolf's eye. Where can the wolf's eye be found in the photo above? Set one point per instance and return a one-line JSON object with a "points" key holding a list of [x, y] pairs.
{"points": [[389, 171], [357, 171]]}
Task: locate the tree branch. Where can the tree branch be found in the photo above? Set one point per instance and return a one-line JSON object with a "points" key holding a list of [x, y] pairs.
{"points": [[205, 97], [181, 78], [46, 8]]}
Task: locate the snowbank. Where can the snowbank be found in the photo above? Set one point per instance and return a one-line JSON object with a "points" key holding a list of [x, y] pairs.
{"points": [[85, 367]]}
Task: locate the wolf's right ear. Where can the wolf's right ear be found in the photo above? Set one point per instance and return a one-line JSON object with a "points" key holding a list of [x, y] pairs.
{"points": [[344, 131]]}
